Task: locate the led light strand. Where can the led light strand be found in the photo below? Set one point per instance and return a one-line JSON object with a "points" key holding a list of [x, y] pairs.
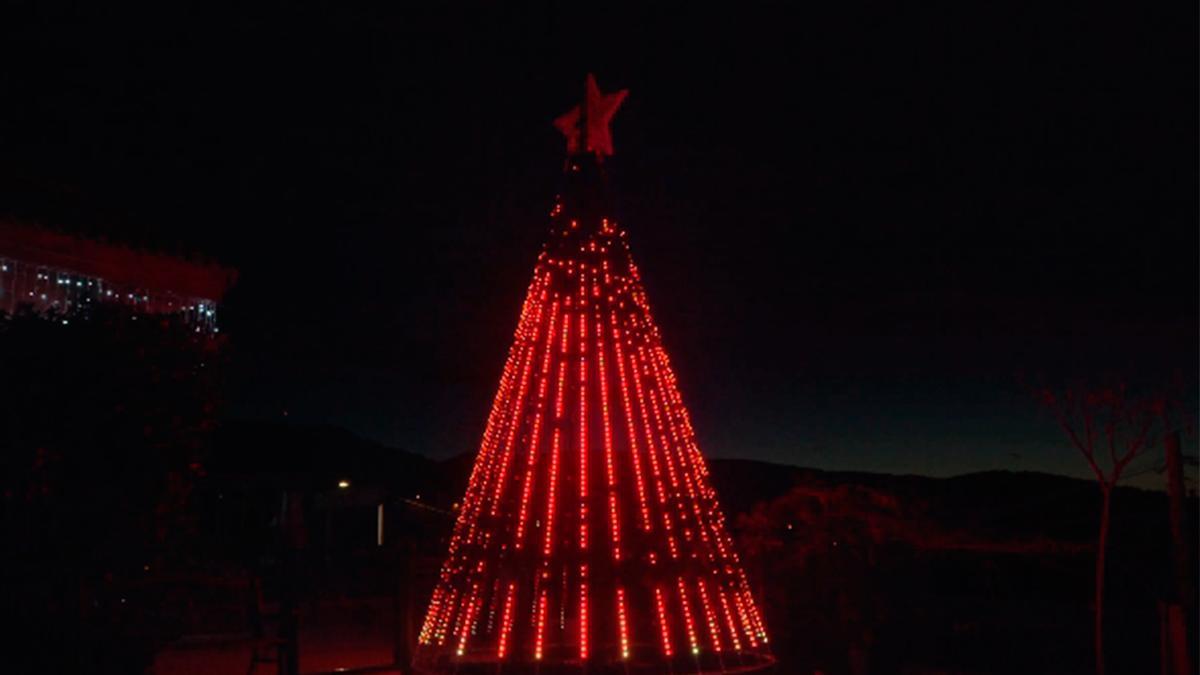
{"points": [[583, 612], [687, 617], [662, 620], [650, 450], [610, 469], [583, 426], [440, 633], [663, 443], [631, 434], [556, 443], [747, 627], [680, 424], [710, 616], [540, 628], [535, 434], [551, 491], [427, 625], [505, 458], [752, 609], [622, 622], [472, 610], [472, 502], [463, 611], [506, 620], [470, 512], [524, 343], [686, 469], [729, 619], [676, 499], [493, 601]]}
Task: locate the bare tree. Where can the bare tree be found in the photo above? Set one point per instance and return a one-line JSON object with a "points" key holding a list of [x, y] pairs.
{"points": [[1110, 430]]}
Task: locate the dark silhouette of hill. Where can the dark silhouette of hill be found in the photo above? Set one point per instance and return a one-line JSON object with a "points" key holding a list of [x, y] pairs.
{"points": [[992, 505], [278, 455], [995, 504]]}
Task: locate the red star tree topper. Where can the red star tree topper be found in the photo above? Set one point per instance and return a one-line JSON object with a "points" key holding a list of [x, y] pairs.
{"points": [[590, 538], [597, 111]]}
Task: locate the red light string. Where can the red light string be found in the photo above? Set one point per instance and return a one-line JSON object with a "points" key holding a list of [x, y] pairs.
{"points": [[583, 612], [505, 458], [710, 616], [472, 610], [650, 450], [687, 616], [631, 433], [552, 490], [540, 626], [729, 620], [535, 434], [506, 620], [583, 419], [610, 469], [622, 623], [662, 621]]}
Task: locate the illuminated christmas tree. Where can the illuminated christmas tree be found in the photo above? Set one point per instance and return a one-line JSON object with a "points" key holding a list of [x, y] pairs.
{"points": [[590, 537]]}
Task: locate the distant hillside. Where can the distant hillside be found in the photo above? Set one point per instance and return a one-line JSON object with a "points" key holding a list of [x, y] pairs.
{"points": [[316, 457], [994, 505]]}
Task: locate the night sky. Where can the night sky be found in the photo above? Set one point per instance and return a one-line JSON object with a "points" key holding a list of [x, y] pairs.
{"points": [[857, 226]]}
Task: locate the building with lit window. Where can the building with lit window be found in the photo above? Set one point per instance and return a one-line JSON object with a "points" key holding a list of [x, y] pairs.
{"points": [[58, 275]]}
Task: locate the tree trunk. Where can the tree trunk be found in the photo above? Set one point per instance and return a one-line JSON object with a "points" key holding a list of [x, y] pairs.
{"points": [[1101, 550]]}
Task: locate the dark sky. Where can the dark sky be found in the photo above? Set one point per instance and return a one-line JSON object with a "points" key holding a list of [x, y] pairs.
{"points": [[857, 225]]}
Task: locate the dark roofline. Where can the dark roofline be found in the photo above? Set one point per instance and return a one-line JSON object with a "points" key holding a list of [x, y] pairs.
{"points": [[118, 264]]}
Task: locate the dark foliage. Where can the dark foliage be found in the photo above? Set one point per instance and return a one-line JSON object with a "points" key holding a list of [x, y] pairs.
{"points": [[103, 426]]}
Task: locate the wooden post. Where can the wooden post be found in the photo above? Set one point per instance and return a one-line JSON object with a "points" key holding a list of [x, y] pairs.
{"points": [[402, 638], [1179, 543], [1175, 624]]}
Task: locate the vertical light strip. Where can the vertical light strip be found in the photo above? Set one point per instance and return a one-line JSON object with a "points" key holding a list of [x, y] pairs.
{"points": [[505, 458], [465, 526], [556, 443], [467, 601], [629, 424], [606, 425], [454, 563], [535, 434], [745, 618], [690, 476], [687, 617], [622, 623], [710, 616], [427, 625], [551, 491], [492, 603], [663, 443], [662, 620], [729, 619], [583, 420], [447, 614], [635, 374], [539, 635], [472, 610], [524, 337], [498, 411], [506, 620], [583, 612], [752, 610], [675, 500]]}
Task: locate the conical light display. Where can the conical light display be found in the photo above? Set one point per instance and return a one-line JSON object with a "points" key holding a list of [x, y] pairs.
{"points": [[590, 538]]}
